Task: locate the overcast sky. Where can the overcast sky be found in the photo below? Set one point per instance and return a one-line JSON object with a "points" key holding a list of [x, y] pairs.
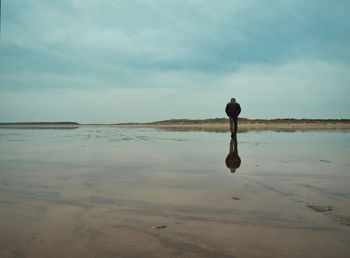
{"points": [[112, 61]]}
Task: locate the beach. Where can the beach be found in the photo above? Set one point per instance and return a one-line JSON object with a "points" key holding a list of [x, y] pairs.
{"points": [[167, 191], [272, 125]]}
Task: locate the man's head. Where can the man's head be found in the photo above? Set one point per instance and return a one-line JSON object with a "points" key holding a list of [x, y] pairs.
{"points": [[233, 100]]}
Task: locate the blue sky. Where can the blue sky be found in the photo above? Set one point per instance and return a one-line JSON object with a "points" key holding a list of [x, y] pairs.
{"points": [[112, 61]]}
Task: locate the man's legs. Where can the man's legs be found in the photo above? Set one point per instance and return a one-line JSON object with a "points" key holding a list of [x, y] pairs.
{"points": [[233, 126], [235, 122]]}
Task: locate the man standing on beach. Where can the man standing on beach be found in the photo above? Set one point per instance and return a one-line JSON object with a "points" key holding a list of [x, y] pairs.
{"points": [[233, 109]]}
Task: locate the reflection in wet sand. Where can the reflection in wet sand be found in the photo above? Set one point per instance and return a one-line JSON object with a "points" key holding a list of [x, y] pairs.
{"points": [[110, 192], [233, 161]]}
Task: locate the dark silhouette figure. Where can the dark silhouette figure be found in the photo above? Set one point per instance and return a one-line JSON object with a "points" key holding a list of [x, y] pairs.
{"points": [[233, 161], [233, 109]]}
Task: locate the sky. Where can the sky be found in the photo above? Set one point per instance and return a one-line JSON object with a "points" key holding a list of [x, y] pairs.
{"points": [[113, 61]]}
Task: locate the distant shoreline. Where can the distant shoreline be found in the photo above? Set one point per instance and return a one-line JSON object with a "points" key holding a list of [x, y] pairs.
{"points": [[242, 127], [243, 121], [217, 124], [40, 125]]}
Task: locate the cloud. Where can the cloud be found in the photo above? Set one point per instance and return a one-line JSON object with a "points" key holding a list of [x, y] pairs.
{"points": [[176, 35], [300, 89], [185, 58]]}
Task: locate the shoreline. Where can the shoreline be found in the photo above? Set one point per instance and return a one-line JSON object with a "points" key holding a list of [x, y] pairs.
{"points": [[246, 127], [189, 126]]}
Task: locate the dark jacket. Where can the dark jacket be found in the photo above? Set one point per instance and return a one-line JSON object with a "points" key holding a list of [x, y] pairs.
{"points": [[233, 109]]}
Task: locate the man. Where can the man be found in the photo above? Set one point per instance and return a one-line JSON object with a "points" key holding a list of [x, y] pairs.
{"points": [[233, 109]]}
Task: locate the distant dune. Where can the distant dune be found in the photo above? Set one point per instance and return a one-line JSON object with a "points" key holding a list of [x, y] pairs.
{"points": [[212, 124], [243, 121], [245, 124]]}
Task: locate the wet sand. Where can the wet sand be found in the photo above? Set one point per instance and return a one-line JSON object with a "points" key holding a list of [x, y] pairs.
{"points": [[149, 192]]}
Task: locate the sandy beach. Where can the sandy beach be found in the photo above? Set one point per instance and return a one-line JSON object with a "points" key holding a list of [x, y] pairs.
{"points": [[112, 191]]}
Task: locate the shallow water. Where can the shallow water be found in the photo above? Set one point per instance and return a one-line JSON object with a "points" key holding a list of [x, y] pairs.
{"points": [[135, 192]]}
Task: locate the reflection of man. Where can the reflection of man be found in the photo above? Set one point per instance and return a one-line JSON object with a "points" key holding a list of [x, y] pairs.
{"points": [[233, 109], [233, 161]]}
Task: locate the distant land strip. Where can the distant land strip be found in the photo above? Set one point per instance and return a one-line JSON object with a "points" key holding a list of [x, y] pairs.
{"points": [[243, 121], [212, 125], [40, 125], [245, 125], [200, 122]]}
